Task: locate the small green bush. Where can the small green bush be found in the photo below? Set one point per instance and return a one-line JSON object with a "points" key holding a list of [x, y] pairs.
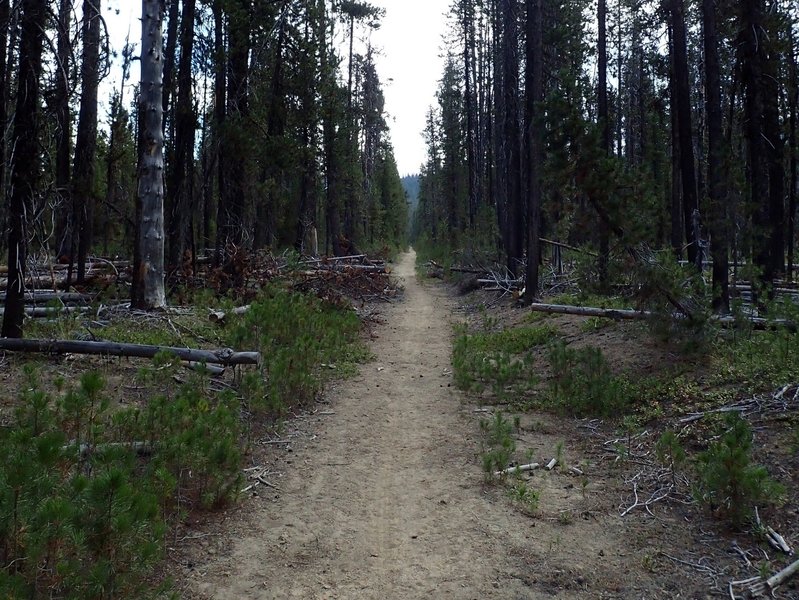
{"points": [[497, 359], [498, 444], [83, 511], [728, 482], [299, 338], [583, 384]]}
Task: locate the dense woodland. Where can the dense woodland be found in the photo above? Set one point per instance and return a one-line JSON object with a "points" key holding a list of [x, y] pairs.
{"points": [[640, 128], [272, 135]]}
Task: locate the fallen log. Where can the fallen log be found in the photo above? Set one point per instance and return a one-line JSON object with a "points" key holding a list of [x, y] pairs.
{"points": [[589, 311], [629, 314], [50, 296], [140, 448], [39, 312], [224, 356]]}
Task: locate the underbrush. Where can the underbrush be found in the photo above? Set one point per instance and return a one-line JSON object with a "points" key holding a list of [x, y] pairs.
{"points": [[499, 360], [303, 341], [87, 493], [582, 383], [90, 487], [727, 480]]}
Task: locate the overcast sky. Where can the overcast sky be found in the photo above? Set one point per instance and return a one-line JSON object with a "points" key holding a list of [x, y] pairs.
{"points": [[409, 64], [410, 38]]}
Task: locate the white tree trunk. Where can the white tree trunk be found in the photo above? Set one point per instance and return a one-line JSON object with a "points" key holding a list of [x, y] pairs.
{"points": [[150, 239]]}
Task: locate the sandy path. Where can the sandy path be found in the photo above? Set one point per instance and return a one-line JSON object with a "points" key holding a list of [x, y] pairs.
{"points": [[386, 501]]}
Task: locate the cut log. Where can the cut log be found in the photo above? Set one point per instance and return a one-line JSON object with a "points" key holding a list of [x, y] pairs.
{"points": [[218, 316], [140, 448], [214, 370], [39, 312], [622, 313], [589, 311], [42, 297], [519, 469], [224, 356]]}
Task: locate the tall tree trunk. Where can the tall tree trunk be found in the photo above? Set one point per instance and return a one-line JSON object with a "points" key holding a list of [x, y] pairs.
{"points": [[63, 118], [148, 290], [775, 155], [719, 218], [604, 128], [179, 188], [117, 128], [220, 118], [534, 141], [25, 168], [237, 189], [467, 10], [752, 73], [86, 140], [510, 133], [793, 101], [675, 209], [169, 61], [500, 187], [5, 24], [275, 128], [683, 101]]}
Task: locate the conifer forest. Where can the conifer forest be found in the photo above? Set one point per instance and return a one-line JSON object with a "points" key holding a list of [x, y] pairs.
{"points": [[245, 355]]}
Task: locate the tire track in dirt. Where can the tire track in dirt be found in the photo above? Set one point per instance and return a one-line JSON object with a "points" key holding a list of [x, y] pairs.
{"points": [[387, 501]]}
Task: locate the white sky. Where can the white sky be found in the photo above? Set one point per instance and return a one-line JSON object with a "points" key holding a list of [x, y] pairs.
{"points": [[411, 42], [409, 63]]}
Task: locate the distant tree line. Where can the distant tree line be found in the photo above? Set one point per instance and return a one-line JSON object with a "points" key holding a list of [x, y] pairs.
{"points": [[618, 124]]}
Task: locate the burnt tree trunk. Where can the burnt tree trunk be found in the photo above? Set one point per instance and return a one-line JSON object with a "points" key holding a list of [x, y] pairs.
{"points": [[793, 100], [236, 191], [86, 140], [604, 128], [180, 185], [25, 168], [752, 64], [719, 217], [511, 142], [63, 141], [682, 97], [220, 117], [534, 142], [148, 290]]}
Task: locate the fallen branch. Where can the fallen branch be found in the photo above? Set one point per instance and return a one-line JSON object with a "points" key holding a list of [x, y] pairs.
{"points": [[519, 469], [140, 448], [567, 246], [756, 586], [224, 356], [218, 316]]}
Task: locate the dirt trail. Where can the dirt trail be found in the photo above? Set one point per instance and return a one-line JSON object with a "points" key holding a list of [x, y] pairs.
{"points": [[386, 501]]}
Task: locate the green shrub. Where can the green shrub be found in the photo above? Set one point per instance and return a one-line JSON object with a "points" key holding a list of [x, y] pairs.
{"points": [[497, 359], [582, 383], [72, 524], [728, 482], [299, 338], [498, 443], [670, 452], [86, 493]]}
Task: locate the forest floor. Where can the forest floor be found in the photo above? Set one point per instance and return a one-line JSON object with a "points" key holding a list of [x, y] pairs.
{"points": [[378, 493]]}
